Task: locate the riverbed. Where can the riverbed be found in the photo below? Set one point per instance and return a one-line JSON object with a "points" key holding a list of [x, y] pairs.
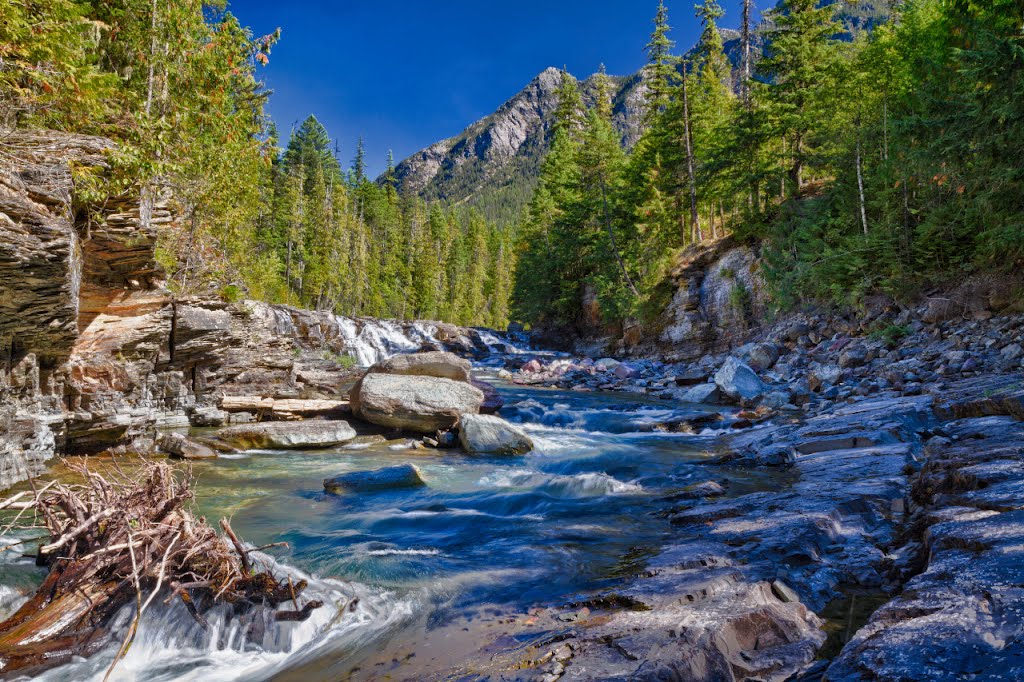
{"points": [[487, 536]]}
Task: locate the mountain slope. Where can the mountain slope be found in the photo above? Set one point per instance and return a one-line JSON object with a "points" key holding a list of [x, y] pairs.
{"points": [[493, 164]]}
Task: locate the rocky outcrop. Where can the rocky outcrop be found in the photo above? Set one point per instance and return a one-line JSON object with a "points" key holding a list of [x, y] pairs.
{"points": [[482, 434], [96, 354]]}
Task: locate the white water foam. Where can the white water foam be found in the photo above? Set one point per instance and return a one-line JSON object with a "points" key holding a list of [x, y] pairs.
{"points": [[171, 646], [579, 485]]}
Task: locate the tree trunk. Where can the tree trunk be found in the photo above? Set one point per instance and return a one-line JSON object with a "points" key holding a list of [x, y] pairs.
{"points": [[611, 239], [691, 169], [860, 188]]}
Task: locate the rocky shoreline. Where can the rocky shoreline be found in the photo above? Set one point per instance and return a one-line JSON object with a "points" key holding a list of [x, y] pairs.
{"points": [[904, 452]]}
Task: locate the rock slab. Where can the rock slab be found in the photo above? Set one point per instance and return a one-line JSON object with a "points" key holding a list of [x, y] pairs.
{"points": [[288, 435]]}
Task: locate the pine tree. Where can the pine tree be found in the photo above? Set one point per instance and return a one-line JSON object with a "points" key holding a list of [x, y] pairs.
{"points": [[800, 69], [659, 70]]}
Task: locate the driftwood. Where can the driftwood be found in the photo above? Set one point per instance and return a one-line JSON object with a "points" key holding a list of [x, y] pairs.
{"points": [[285, 409], [113, 539]]}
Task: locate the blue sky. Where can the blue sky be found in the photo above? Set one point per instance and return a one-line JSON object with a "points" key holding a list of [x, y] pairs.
{"points": [[407, 73]]}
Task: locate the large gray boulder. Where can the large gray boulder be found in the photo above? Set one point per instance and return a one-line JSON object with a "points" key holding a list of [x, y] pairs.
{"points": [[482, 434], [288, 435], [738, 382], [422, 404], [438, 364], [388, 478], [702, 393]]}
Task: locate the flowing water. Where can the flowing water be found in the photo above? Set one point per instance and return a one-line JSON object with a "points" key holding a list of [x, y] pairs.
{"points": [[577, 515]]}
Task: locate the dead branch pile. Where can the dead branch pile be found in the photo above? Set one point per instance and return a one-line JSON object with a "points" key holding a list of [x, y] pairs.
{"points": [[114, 539]]}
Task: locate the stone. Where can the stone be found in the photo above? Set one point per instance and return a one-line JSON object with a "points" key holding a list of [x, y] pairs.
{"points": [[488, 435], [759, 356], [493, 402], [824, 377], [852, 357], [692, 376], [738, 382], [288, 435], [1012, 351], [388, 478], [625, 371], [704, 393], [422, 404], [182, 447], [776, 399], [208, 415], [607, 364], [438, 364]]}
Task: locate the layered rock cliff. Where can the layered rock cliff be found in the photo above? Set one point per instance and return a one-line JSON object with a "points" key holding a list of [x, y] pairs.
{"points": [[97, 354]]}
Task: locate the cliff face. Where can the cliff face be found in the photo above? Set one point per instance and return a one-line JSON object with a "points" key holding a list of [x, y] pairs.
{"points": [[505, 149], [96, 354]]}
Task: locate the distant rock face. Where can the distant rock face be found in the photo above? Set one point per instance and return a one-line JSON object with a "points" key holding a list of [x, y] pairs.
{"points": [[510, 144]]}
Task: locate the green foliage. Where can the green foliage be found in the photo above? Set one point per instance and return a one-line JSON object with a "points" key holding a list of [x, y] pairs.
{"points": [[231, 293], [891, 334]]}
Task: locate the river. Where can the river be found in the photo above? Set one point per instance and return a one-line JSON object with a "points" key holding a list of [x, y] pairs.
{"points": [[486, 539]]}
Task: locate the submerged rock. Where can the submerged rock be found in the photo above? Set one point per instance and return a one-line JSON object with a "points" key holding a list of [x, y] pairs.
{"points": [[738, 382], [388, 478], [487, 435], [414, 403], [289, 435], [438, 364]]}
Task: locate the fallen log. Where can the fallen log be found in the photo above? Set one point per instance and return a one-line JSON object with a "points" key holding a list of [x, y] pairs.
{"points": [[115, 538], [285, 409]]}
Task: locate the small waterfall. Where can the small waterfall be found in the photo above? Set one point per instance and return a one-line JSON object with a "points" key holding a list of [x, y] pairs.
{"points": [[501, 346], [370, 341]]}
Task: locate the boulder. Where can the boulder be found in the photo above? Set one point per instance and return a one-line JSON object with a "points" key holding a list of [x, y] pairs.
{"points": [[208, 415], [854, 356], [288, 435], [422, 404], [492, 399], [738, 382], [388, 478], [438, 364], [183, 447], [488, 435], [607, 364], [759, 356], [692, 376], [702, 393], [824, 376], [624, 371]]}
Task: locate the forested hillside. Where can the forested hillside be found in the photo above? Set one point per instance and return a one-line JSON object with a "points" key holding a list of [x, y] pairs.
{"points": [[881, 161], [174, 84]]}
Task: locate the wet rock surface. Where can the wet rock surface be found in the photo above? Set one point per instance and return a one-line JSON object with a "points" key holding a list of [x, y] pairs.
{"points": [[489, 435]]}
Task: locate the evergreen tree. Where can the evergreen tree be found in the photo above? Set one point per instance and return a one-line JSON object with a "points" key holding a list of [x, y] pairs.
{"points": [[660, 64]]}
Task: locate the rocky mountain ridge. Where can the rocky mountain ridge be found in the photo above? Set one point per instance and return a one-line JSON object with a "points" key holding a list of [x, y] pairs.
{"points": [[494, 163]]}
